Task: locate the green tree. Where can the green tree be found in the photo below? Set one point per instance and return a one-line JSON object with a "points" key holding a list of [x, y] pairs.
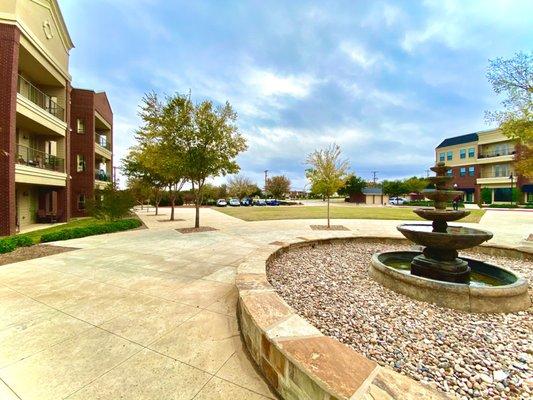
{"points": [[415, 184], [486, 195], [327, 172], [353, 185], [278, 186], [140, 190], [240, 186], [210, 147], [513, 78], [394, 188]]}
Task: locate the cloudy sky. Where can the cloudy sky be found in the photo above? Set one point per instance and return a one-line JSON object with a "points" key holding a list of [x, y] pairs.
{"points": [[387, 81]]}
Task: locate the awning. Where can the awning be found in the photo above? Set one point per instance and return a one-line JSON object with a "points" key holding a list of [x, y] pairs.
{"points": [[527, 188], [467, 190]]}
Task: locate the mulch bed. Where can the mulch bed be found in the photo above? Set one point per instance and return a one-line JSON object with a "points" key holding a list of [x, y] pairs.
{"points": [[195, 230], [331, 228], [31, 252]]}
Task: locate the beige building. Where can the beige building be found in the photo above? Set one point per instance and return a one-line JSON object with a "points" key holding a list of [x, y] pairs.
{"points": [[484, 160]]}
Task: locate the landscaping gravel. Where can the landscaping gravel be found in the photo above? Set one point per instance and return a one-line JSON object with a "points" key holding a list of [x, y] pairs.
{"points": [[482, 356]]}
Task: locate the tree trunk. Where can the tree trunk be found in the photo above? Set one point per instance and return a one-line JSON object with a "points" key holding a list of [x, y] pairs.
{"points": [[172, 201], [328, 213], [197, 216]]}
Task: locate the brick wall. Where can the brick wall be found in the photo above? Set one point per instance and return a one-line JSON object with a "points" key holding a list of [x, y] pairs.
{"points": [[467, 181], [9, 54], [82, 107]]}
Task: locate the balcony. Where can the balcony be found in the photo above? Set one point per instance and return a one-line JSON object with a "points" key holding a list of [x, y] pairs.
{"points": [[41, 99], [495, 178], [39, 159], [101, 140], [102, 176]]}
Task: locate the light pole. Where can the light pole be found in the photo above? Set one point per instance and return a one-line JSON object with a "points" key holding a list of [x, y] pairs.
{"points": [[511, 177]]}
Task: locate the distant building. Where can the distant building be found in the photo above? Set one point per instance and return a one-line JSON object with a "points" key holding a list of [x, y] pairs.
{"points": [[483, 160], [369, 195]]}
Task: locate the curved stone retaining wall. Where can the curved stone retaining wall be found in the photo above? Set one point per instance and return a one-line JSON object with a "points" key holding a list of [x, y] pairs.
{"points": [[298, 361]]}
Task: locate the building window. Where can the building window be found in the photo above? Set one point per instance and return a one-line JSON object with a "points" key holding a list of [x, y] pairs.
{"points": [[80, 163], [529, 198], [81, 202], [471, 152], [442, 157], [80, 126], [462, 171], [449, 172], [502, 194], [449, 155], [471, 171], [462, 153], [501, 171]]}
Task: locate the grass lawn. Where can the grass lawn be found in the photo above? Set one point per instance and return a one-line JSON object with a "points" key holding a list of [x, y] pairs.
{"points": [[319, 212], [76, 223]]}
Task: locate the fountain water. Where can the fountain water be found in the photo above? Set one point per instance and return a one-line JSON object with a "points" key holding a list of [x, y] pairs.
{"points": [[438, 274]]}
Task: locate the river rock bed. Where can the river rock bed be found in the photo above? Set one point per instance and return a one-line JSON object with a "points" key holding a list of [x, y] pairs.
{"points": [[485, 356]]}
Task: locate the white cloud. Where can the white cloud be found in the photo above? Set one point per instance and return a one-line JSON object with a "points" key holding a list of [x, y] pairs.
{"points": [[267, 83]]}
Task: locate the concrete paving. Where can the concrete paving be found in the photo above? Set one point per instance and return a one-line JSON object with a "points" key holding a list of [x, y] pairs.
{"points": [[150, 314]]}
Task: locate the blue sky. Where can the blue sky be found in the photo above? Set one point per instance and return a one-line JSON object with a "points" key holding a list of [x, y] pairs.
{"points": [[387, 81]]}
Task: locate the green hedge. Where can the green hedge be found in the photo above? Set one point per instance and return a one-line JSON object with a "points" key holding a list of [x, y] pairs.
{"points": [[10, 243], [98, 229]]}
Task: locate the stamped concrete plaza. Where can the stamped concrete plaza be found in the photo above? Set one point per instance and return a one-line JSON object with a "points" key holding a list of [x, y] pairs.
{"points": [[151, 313]]}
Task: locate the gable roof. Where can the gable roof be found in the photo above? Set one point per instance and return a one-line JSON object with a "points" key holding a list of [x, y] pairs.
{"points": [[469, 137], [373, 190]]}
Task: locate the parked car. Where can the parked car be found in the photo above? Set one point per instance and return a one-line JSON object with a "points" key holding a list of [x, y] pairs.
{"points": [[234, 202], [222, 203], [397, 201], [246, 202], [272, 202], [260, 202]]}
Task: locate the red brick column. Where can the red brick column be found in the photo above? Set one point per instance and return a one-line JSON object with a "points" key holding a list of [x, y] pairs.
{"points": [[9, 54]]}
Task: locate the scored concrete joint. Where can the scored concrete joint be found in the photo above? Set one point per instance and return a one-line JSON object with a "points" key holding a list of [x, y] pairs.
{"points": [[297, 360]]}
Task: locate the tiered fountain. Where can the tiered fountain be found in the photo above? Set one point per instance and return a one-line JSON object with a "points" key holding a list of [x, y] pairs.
{"points": [[438, 274]]}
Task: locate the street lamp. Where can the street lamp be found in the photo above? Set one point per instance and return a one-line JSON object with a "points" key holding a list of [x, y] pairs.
{"points": [[511, 177]]}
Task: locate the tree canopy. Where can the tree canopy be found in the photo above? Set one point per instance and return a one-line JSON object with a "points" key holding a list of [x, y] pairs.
{"points": [[327, 172], [278, 186], [513, 78], [353, 185]]}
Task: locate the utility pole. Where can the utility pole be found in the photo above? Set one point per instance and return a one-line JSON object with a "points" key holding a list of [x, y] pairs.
{"points": [[427, 173], [115, 181], [266, 178], [375, 178]]}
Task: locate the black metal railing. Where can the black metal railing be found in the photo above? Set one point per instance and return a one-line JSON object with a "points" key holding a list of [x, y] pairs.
{"points": [[39, 159], [497, 153], [36, 96], [102, 176], [103, 142]]}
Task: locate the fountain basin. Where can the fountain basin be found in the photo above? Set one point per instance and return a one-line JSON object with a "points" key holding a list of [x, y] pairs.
{"points": [[433, 214], [454, 237], [492, 289]]}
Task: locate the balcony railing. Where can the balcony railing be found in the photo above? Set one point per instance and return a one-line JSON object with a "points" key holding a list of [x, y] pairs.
{"points": [[102, 141], [39, 159], [101, 176], [40, 98], [496, 153]]}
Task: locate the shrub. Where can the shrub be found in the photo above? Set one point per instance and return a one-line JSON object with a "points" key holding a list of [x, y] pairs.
{"points": [[486, 195], [111, 203], [97, 229], [10, 243], [503, 206]]}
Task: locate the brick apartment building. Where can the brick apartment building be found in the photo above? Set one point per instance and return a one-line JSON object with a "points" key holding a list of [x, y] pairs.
{"points": [[91, 149], [484, 160], [36, 132]]}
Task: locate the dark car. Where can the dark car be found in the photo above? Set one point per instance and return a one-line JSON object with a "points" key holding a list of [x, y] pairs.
{"points": [[272, 202], [260, 202], [246, 202]]}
